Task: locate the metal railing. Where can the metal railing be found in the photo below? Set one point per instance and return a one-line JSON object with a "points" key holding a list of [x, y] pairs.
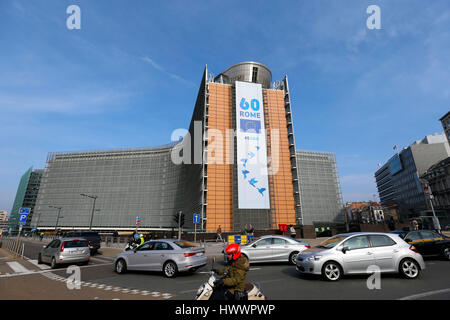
{"points": [[13, 246]]}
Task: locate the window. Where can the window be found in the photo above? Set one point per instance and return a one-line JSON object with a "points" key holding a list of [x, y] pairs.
{"points": [[56, 244], [429, 235], [264, 242], [381, 241], [163, 246], [50, 245], [146, 246], [413, 236], [279, 241], [359, 242], [254, 74]]}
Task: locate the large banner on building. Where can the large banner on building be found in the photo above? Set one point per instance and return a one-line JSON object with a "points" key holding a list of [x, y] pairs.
{"points": [[253, 185]]}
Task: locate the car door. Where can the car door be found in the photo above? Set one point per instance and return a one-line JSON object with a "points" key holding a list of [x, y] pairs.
{"points": [[46, 252], [430, 243], [141, 258], [161, 253], [54, 249], [281, 249], [261, 250], [384, 250], [359, 255]]}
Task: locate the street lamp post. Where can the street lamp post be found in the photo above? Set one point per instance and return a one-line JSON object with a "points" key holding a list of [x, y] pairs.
{"points": [[57, 217], [93, 207], [429, 195]]}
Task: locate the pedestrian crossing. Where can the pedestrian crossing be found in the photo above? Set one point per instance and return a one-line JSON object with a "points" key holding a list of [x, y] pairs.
{"points": [[15, 268]]}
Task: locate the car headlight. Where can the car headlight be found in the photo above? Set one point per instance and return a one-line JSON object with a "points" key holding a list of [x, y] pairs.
{"points": [[314, 258], [200, 290]]}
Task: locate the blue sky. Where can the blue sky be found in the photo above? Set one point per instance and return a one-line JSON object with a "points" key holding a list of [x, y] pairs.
{"points": [[354, 91]]}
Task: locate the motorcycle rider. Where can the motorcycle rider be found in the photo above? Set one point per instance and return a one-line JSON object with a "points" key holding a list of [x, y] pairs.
{"points": [[140, 241], [232, 287]]}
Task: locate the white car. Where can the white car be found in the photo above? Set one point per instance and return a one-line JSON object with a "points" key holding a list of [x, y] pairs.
{"points": [[354, 253], [273, 248]]}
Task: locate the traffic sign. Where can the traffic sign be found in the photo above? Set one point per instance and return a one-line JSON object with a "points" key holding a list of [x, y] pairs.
{"points": [[196, 218], [23, 214], [138, 221], [24, 210]]}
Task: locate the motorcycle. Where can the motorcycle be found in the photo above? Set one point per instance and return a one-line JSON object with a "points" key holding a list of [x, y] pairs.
{"points": [[252, 291], [131, 245]]}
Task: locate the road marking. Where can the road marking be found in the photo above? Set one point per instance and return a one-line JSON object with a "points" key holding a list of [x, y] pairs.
{"points": [[40, 266], [425, 294], [17, 267]]}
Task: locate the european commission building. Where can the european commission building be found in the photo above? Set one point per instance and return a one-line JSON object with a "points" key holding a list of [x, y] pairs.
{"points": [[237, 165]]}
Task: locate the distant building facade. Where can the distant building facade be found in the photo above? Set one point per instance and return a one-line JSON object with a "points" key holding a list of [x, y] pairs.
{"points": [[438, 177], [320, 190], [445, 120], [398, 179], [26, 196], [364, 212]]}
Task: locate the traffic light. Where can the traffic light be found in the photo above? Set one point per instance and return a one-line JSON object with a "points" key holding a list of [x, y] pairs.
{"points": [[179, 216]]}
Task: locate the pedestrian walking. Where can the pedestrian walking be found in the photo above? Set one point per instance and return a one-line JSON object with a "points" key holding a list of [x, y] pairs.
{"points": [[41, 236], [219, 234], [251, 229], [391, 224], [293, 232]]}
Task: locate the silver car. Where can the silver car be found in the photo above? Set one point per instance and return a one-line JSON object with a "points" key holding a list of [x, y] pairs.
{"points": [[273, 248], [65, 251], [168, 256], [354, 253]]}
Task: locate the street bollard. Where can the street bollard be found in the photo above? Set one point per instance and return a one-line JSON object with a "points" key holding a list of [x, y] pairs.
{"points": [[23, 249]]}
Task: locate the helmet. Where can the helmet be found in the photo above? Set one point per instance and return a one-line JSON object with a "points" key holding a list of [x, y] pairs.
{"points": [[141, 235], [235, 250]]}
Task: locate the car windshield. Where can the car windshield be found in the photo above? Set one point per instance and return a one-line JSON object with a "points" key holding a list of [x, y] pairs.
{"points": [[185, 244], [332, 242]]}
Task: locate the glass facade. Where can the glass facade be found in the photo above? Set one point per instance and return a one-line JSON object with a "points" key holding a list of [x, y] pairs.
{"points": [[26, 197], [320, 192], [127, 183]]}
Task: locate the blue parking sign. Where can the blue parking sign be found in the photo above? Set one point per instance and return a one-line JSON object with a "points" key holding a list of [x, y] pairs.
{"points": [[23, 214]]}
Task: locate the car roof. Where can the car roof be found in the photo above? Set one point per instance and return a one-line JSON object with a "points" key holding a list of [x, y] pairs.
{"points": [[71, 239]]}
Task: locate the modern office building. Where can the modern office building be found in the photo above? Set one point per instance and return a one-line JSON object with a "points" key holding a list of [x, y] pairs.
{"points": [[320, 191], [438, 178], [126, 183], [236, 165], [398, 179], [445, 120], [26, 197]]}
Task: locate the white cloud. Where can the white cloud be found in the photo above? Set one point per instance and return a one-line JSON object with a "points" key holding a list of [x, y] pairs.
{"points": [[171, 75]]}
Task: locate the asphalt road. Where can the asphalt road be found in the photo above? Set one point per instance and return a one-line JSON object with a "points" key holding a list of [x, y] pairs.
{"points": [[278, 281]]}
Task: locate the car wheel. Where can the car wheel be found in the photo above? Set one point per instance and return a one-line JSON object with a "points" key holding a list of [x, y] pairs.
{"points": [[409, 269], [292, 257], [446, 253], [170, 269], [332, 271], [121, 266], [39, 259], [53, 264]]}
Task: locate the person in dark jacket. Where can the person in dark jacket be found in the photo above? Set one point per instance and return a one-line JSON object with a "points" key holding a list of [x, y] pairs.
{"points": [[233, 285]]}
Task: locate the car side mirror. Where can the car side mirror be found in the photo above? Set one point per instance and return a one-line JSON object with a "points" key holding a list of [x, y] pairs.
{"points": [[345, 249], [254, 245]]}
